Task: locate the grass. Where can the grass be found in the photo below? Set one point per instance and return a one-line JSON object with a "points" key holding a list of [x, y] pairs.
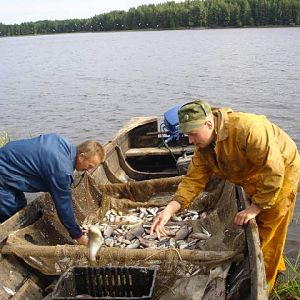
{"points": [[4, 138], [288, 287]]}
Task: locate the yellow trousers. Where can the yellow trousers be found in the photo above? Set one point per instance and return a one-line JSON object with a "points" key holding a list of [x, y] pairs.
{"points": [[273, 226]]}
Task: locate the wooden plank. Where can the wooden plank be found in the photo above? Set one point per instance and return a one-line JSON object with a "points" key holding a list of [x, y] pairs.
{"points": [[13, 272], [24, 217], [29, 291], [132, 123], [138, 175], [258, 288], [133, 152]]}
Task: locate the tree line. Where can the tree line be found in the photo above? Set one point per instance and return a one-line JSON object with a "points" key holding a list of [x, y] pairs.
{"points": [[171, 15]]}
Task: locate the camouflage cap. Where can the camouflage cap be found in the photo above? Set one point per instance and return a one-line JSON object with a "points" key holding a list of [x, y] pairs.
{"points": [[192, 115]]}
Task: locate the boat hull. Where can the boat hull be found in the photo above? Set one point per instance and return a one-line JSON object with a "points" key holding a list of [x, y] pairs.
{"points": [[133, 155]]}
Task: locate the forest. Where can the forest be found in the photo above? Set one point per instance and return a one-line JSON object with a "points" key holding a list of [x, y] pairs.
{"points": [[171, 15]]}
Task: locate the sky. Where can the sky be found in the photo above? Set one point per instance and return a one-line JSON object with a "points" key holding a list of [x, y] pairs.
{"points": [[18, 11]]}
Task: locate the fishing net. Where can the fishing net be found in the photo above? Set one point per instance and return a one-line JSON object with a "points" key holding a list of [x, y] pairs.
{"points": [[46, 245]]}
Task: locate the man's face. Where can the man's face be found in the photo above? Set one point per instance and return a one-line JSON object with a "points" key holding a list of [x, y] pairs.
{"points": [[84, 163], [201, 137]]}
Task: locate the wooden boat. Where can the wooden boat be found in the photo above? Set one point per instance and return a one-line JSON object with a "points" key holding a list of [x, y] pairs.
{"points": [[134, 154]]}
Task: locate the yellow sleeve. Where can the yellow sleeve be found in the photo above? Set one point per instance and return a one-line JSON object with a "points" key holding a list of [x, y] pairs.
{"points": [[263, 151], [193, 182]]}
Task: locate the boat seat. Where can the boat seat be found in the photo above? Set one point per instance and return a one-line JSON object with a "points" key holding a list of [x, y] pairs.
{"points": [[134, 152]]}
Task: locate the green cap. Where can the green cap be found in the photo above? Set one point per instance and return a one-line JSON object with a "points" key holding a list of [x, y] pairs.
{"points": [[192, 115]]}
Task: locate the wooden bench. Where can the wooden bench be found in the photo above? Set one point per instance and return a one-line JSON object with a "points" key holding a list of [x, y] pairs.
{"points": [[151, 151]]}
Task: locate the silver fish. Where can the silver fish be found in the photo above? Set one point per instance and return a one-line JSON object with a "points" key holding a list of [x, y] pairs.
{"points": [[182, 244], [127, 242], [205, 231], [172, 243], [134, 245], [175, 218], [147, 243], [152, 210], [150, 237], [133, 219], [171, 232], [195, 217], [143, 213], [135, 232], [199, 236], [182, 233], [96, 241], [109, 242], [108, 231]]}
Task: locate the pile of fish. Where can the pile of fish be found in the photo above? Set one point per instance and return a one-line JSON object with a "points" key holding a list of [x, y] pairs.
{"points": [[132, 230]]}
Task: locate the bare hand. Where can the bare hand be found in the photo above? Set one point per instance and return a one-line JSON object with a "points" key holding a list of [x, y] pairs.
{"points": [[243, 217], [83, 240], [161, 220]]}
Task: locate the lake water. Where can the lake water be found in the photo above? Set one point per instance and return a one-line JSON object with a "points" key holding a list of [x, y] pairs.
{"points": [[88, 85]]}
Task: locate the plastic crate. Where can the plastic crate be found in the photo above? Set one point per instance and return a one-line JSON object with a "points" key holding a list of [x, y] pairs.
{"points": [[105, 283]]}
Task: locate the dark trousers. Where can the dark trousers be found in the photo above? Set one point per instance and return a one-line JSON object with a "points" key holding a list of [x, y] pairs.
{"points": [[11, 201]]}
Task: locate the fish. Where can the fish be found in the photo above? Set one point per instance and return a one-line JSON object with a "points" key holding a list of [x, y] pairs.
{"points": [[108, 231], [143, 212], [8, 291], [109, 242], [96, 241], [152, 210], [172, 243], [134, 245], [171, 232], [175, 218], [182, 233], [132, 230], [132, 219], [205, 231], [199, 236], [147, 243], [135, 232]]}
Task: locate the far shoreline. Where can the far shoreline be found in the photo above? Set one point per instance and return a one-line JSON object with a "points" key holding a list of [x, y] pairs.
{"points": [[157, 29]]}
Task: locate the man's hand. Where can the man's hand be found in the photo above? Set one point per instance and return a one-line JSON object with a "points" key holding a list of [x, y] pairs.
{"points": [[243, 217], [161, 220], [83, 240]]}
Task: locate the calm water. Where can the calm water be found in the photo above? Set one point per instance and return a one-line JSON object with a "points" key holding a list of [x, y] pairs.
{"points": [[88, 85]]}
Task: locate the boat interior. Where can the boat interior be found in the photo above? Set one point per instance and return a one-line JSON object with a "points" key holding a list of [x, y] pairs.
{"points": [[136, 154]]}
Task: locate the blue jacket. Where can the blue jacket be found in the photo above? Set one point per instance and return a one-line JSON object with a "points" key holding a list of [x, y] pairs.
{"points": [[42, 164]]}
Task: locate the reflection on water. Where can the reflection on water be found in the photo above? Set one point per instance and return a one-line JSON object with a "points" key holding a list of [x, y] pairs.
{"points": [[88, 85]]}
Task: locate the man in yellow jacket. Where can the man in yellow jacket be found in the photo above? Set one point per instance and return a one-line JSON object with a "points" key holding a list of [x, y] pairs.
{"points": [[252, 152]]}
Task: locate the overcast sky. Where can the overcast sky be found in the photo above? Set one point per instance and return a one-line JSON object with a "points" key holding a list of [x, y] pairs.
{"points": [[18, 11]]}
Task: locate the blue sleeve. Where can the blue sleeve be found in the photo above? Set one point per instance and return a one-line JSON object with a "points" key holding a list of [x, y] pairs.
{"points": [[60, 190]]}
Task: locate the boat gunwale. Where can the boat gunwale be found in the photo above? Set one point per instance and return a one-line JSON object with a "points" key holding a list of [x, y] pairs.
{"points": [[257, 270]]}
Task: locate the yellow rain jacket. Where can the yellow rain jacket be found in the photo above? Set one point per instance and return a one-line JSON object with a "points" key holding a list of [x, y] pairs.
{"points": [[252, 152]]}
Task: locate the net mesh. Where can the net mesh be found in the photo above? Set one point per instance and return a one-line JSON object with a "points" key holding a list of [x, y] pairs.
{"points": [[46, 245]]}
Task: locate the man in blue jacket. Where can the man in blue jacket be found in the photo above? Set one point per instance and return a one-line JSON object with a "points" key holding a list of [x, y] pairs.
{"points": [[45, 164]]}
